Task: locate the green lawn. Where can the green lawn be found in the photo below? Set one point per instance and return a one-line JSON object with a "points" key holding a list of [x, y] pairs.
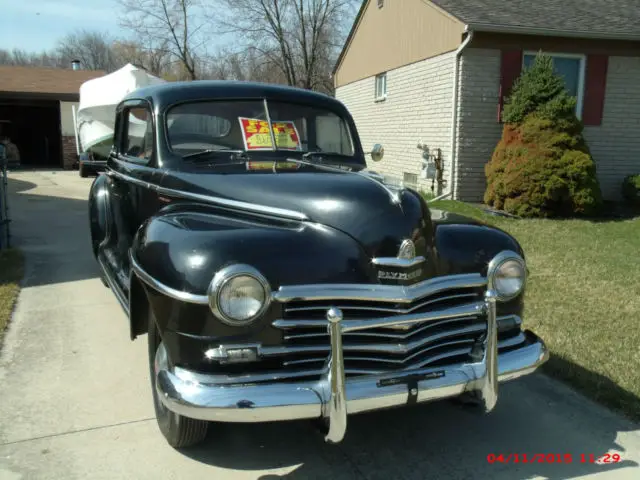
{"points": [[11, 269], [583, 299]]}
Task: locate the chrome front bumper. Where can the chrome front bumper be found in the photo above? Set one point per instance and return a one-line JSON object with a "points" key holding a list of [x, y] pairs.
{"points": [[332, 397]]}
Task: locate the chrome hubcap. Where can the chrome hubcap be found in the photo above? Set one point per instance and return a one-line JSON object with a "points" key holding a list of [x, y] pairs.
{"points": [[160, 363]]}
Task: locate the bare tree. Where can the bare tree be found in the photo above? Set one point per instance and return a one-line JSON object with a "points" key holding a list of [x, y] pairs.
{"points": [[93, 49], [300, 38], [173, 27], [155, 60]]}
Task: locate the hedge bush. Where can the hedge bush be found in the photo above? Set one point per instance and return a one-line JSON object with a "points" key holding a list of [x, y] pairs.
{"points": [[542, 166], [631, 190]]}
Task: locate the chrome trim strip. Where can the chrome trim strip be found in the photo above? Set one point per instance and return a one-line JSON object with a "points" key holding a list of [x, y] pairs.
{"points": [[502, 344], [201, 397], [378, 293], [393, 321], [398, 262], [221, 202], [393, 361], [397, 348], [245, 378], [391, 334], [468, 310], [385, 309], [162, 288]]}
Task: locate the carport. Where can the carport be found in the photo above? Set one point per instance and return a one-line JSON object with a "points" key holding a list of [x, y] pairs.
{"points": [[36, 112]]}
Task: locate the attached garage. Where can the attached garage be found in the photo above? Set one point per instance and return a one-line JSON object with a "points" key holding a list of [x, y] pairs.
{"points": [[36, 113]]}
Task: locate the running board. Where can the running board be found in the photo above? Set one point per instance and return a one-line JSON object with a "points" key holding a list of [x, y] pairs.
{"points": [[113, 284]]}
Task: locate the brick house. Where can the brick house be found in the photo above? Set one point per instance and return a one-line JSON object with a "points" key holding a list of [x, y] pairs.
{"points": [[36, 112], [437, 72]]}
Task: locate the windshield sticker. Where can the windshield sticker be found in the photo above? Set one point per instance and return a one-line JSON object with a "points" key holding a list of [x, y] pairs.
{"points": [[271, 165], [286, 134], [256, 135]]}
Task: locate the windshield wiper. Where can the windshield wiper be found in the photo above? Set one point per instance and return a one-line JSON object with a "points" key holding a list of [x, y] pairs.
{"points": [[204, 153]]}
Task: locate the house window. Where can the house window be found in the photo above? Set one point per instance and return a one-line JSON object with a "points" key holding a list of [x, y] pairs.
{"points": [[410, 179], [571, 68], [381, 86]]}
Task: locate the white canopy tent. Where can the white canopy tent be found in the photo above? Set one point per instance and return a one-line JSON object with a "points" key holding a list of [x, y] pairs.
{"points": [[95, 119]]}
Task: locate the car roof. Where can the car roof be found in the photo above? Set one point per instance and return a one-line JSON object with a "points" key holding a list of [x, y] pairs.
{"points": [[166, 94]]}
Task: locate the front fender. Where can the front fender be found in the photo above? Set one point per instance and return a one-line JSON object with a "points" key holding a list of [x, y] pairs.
{"points": [[184, 249], [98, 212], [469, 247]]}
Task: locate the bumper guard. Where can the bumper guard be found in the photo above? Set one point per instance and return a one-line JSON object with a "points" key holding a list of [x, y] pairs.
{"points": [[332, 397]]}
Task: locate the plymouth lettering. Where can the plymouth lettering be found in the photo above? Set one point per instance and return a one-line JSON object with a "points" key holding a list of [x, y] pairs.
{"points": [[382, 275]]}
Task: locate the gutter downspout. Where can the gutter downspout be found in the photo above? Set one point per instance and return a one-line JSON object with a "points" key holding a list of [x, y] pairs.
{"points": [[454, 115], [75, 128]]}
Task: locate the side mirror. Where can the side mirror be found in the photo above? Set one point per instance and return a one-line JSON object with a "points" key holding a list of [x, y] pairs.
{"points": [[377, 153]]}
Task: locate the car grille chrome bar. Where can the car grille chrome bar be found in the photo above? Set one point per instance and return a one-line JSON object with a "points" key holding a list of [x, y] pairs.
{"points": [[375, 347], [378, 293], [462, 311], [441, 321], [384, 309]]}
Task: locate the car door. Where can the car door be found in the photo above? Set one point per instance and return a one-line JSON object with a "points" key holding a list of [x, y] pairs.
{"points": [[134, 174]]}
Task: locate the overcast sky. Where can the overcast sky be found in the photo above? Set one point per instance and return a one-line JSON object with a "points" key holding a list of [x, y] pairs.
{"points": [[36, 25]]}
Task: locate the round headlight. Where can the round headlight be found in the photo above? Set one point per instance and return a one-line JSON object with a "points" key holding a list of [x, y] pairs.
{"points": [[507, 275], [239, 294]]}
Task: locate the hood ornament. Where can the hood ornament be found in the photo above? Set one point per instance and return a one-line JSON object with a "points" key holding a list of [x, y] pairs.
{"points": [[407, 250]]}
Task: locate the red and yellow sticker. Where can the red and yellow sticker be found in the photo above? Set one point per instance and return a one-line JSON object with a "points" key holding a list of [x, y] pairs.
{"points": [[256, 135]]}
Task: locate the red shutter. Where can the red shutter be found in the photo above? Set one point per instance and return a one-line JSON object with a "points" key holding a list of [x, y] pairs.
{"points": [[595, 85], [510, 68]]}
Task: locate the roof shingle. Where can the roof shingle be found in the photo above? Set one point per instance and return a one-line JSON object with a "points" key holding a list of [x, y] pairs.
{"points": [[56, 81], [589, 17]]}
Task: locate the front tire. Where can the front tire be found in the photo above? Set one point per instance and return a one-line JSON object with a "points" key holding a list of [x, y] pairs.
{"points": [[83, 170], [179, 431]]}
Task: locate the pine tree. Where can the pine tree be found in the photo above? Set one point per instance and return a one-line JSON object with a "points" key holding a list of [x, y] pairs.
{"points": [[542, 165]]}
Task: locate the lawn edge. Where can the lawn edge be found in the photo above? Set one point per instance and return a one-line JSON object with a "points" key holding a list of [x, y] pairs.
{"points": [[13, 274], [570, 378]]}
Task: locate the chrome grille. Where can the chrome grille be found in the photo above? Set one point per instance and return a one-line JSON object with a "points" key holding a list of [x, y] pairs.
{"points": [[429, 339]]}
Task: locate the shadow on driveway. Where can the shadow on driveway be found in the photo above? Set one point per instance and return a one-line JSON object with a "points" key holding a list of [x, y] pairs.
{"points": [[65, 254], [535, 415]]}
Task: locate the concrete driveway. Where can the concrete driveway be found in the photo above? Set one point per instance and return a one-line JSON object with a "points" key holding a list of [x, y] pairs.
{"points": [[75, 401]]}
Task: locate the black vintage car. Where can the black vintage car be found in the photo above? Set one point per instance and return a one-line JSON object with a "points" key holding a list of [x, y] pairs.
{"points": [[277, 278]]}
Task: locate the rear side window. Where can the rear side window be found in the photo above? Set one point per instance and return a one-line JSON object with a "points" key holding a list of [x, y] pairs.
{"points": [[138, 134]]}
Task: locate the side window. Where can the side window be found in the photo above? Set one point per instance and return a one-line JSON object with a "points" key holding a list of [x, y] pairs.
{"points": [[138, 134]]}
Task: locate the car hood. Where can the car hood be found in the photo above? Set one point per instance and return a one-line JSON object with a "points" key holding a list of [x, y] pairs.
{"points": [[361, 207]]}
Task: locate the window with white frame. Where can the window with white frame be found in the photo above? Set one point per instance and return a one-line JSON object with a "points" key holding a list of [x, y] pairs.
{"points": [[381, 86], [571, 68]]}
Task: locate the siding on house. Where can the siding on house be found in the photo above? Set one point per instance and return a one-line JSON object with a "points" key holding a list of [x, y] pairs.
{"points": [[417, 109], [66, 118], [67, 131], [615, 145], [399, 33], [478, 130]]}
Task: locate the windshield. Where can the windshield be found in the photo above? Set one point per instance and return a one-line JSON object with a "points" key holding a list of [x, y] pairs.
{"points": [[243, 126]]}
